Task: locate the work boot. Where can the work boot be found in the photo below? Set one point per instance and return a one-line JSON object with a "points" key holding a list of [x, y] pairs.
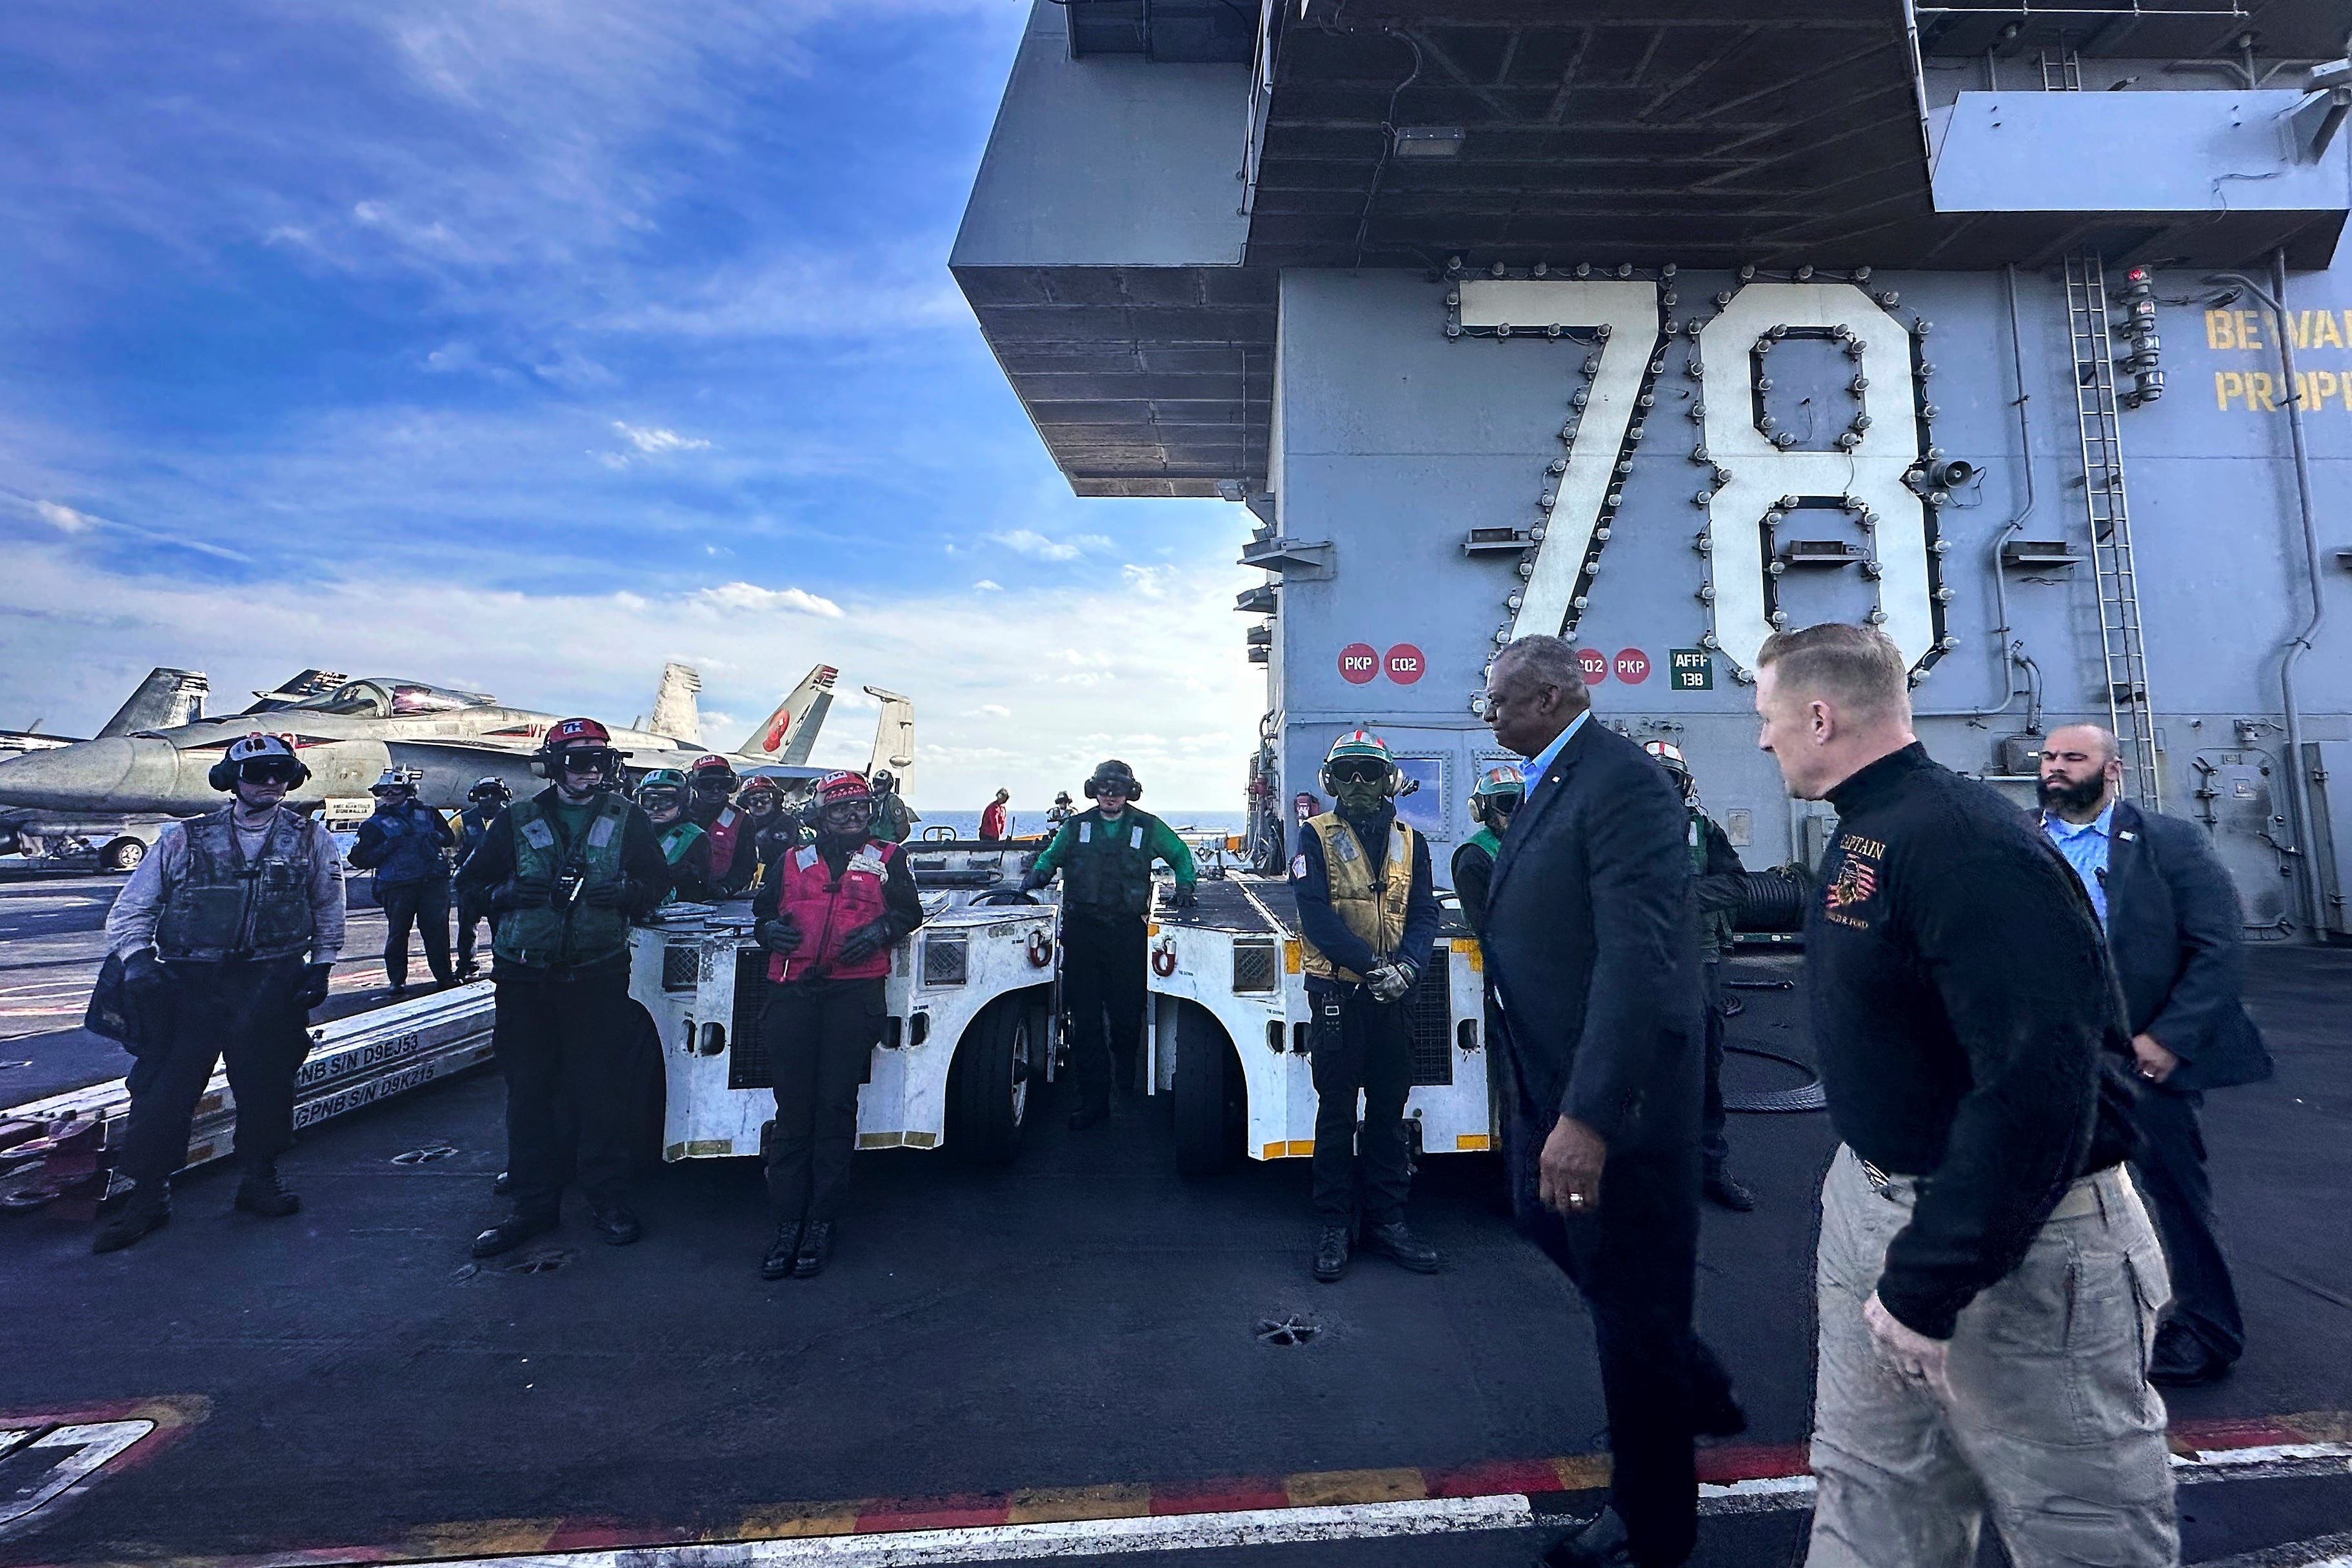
{"points": [[1086, 1116], [1331, 1253], [396, 994], [503, 1183], [816, 1249], [1400, 1246], [2184, 1361], [614, 1226], [1727, 1191], [783, 1252], [510, 1233], [263, 1192], [145, 1208], [1597, 1542]]}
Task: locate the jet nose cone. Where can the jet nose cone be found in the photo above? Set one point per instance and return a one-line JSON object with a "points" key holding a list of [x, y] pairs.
{"points": [[91, 776]]}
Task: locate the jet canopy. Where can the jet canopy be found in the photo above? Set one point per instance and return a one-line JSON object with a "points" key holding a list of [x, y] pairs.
{"points": [[380, 696]]}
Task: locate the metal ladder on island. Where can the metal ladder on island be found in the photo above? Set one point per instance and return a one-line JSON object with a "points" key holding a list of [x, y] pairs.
{"points": [[2091, 330]]}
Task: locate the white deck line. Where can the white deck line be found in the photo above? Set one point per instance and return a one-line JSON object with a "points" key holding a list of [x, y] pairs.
{"points": [[1076, 1537]]}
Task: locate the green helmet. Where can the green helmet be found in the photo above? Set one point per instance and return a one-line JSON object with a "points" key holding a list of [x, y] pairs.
{"points": [[1500, 787], [660, 780], [1360, 745]]}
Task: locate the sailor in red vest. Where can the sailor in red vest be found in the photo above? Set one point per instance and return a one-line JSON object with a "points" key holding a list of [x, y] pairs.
{"points": [[712, 789], [829, 913]]}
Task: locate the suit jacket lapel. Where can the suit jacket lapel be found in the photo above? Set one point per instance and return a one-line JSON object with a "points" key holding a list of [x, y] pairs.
{"points": [[1539, 801], [2126, 852]]}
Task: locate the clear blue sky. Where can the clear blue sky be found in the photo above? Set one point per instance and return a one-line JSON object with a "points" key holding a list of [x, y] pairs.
{"points": [[524, 344]]}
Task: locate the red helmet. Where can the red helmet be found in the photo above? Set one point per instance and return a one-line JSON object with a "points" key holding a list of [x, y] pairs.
{"points": [[576, 731], [839, 789]]}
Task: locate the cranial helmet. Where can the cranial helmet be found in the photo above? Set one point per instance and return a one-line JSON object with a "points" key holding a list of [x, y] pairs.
{"points": [[712, 769], [396, 778], [491, 790], [577, 733], [255, 748], [1499, 789], [1670, 758], [660, 780], [842, 789], [1359, 746], [1115, 772]]}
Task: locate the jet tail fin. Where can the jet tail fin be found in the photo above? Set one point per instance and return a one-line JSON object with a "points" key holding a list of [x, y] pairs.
{"points": [[894, 736], [675, 712], [787, 735], [164, 700]]}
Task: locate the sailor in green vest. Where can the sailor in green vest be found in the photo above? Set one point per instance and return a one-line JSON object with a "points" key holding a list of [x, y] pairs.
{"points": [[1495, 797], [1105, 856], [1367, 917], [1718, 884], [564, 874], [662, 795]]}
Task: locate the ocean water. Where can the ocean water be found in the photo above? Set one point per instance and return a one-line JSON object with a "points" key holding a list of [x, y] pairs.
{"points": [[967, 823]]}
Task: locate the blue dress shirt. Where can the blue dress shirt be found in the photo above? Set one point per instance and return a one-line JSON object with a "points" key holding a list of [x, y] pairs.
{"points": [[1533, 770], [2085, 848]]}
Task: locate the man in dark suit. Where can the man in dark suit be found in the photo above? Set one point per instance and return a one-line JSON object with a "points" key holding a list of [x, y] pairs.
{"points": [[1598, 990], [2173, 933]]}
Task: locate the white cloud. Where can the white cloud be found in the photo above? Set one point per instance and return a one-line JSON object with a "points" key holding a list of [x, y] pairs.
{"points": [[984, 586], [989, 710], [751, 596], [658, 441], [64, 518], [1030, 542]]}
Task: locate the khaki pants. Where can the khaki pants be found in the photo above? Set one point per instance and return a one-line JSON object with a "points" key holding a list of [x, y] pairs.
{"points": [[2050, 1426]]}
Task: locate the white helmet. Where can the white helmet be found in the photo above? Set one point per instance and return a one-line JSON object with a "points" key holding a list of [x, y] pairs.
{"points": [[397, 777]]}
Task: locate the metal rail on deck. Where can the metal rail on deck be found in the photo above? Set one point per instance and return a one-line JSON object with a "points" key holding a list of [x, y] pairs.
{"points": [[353, 1063]]}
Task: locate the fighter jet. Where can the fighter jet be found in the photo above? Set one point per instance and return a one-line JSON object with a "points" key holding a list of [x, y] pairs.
{"points": [[114, 794]]}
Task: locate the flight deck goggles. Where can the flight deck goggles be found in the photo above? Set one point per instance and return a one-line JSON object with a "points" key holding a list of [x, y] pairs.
{"points": [[1360, 771], [271, 771], [587, 759]]}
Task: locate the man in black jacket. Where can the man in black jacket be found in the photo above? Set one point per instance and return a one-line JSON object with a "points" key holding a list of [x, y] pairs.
{"points": [[1598, 986], [1987, 1278], [2173, 933]]}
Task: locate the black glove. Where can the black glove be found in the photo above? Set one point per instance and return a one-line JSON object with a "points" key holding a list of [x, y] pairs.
{"points": [[314, 984], [607, 894], [1035, 879], [778, 937], [143, 971], [865, 942], [1184, 897], [523, 892]]}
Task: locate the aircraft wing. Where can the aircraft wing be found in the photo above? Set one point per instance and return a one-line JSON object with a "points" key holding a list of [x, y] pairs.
{"points": [[785, 736], [166, 699]]}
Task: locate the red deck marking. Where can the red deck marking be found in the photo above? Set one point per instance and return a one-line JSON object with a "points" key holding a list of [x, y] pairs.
{"points": [[2252, 1432], [932, 1513], [1232, 1495], [1751, 1462], [1496, 1480]]}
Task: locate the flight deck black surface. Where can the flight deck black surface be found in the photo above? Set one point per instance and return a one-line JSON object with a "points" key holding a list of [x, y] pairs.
{"points": [[1084, 1318]]}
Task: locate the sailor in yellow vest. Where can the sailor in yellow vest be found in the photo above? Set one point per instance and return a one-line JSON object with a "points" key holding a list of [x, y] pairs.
{"points": [[1368, 916]]}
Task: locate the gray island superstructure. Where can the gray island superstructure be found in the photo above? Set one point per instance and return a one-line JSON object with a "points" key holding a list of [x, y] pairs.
{"points": [[1663, 327]]}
